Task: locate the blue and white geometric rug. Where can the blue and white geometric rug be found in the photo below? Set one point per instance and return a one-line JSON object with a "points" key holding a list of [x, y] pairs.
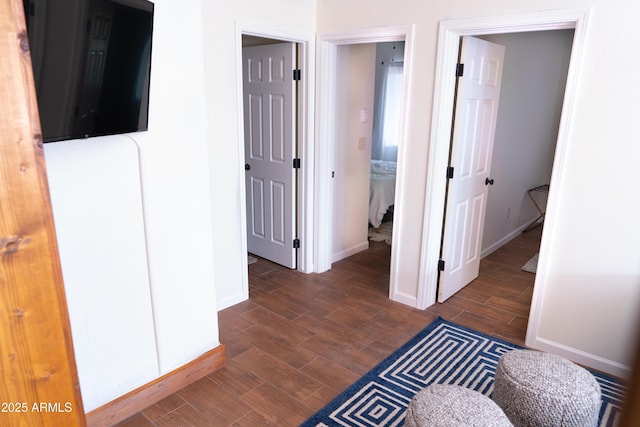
{"points": [[443, 353]]}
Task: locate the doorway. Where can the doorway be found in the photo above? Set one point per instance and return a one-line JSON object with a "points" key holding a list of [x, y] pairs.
{"points": [[527, 132], [306, 130], [450, 33], [535, 71], [325, 141], [368, 99], [270, 77]]}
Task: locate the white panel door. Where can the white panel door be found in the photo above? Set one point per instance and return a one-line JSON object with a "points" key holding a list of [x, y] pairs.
{"points": [[471, 152], [269, 137]]}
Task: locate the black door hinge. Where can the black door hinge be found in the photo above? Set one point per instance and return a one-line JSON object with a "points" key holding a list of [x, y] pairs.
{"points": [[440, 265], [449, 172], [297, 74], [459, 70], [296, 163], [296, 243]]}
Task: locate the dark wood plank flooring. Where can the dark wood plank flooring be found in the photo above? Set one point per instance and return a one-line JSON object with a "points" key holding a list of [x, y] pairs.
{"points": [[301, 339]]}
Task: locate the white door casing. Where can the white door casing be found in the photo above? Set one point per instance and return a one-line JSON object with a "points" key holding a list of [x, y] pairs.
{"points": [[269, 134], [471, 153]]}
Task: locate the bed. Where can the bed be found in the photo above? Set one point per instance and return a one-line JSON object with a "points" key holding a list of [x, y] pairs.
{"points": [[382, 190]]}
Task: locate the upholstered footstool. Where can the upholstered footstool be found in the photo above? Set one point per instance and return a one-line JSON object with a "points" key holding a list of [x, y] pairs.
{"points": [[453, 406], [540, 389]]}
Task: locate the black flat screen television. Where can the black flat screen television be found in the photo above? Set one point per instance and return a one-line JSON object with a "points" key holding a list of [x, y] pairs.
{"points": [[91, 65]]}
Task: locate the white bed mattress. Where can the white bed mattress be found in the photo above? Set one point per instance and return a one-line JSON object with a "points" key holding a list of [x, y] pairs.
{"points": [[382, 190]]}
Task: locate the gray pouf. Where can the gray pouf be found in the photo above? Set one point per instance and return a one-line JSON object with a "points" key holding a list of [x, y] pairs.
{"points": [[453, 406], [540, 389]]}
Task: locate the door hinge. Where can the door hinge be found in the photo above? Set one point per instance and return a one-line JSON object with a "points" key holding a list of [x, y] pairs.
{"points": [[449, 172], [440, 265], [297, 74], [459, 70], [296, 243], [296, 163]]}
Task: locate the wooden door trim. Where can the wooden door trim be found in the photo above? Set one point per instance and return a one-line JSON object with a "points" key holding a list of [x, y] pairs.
{"points": [[35, 334], [135, 401]]}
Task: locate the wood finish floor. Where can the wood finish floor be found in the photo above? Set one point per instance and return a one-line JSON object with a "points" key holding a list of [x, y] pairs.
{"points": [[301, 339]]}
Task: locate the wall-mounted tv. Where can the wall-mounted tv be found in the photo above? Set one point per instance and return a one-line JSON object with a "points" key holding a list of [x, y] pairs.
{"points": [[91, 65]]}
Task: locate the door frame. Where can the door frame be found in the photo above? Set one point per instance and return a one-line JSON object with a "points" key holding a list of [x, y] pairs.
{"points": [[449, 35], [325, 140], [305, 117]]}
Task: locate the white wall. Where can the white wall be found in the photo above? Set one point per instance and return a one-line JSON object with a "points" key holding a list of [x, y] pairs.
{"points": [[590, 303], [176, 194], [352, 162], [97, 208], [532, 91], [226, 148], [176, 184]]}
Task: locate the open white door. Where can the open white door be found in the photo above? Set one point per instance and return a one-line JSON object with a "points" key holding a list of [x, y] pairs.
{"points": [[471, 152], [269, 135]]}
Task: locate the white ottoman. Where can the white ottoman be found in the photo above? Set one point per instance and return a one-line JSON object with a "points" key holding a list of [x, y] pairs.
{"points": [[453, 406], [540, 389]]}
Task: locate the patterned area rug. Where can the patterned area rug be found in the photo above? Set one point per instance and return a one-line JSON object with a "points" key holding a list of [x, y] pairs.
{"points": [[443, 353]]}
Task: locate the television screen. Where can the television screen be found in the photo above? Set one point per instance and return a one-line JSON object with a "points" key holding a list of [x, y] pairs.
{"points": [[91, 65]]}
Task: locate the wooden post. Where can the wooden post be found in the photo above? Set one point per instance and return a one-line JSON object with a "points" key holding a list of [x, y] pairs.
{"points": [[38, 378], [631, 409]]}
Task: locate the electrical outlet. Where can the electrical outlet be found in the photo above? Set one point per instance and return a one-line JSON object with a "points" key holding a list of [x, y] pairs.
{"points": [[508, 212], [362, 143]]}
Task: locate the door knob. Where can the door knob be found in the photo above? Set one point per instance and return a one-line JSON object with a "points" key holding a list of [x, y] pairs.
{"points": [[247, 166], [488, 181]]}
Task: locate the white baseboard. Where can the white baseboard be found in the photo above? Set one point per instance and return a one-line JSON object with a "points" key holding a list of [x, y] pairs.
{"points": [[405, 299], [232, 300], [350, 251], [506, 239], [582, 358]]}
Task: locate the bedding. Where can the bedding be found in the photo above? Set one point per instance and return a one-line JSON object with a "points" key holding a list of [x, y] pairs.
{"points": [[382, 190]]}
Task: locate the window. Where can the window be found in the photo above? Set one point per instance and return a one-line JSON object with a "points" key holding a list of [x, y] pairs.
{"points": [[387, 100]]}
